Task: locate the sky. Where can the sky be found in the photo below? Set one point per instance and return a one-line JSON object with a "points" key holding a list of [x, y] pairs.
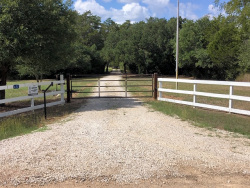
{"points": [[139, 10]]}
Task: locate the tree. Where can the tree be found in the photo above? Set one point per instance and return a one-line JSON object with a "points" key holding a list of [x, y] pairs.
{"points": [[109, 32], [244, 57], [224, 48], [88, 45], [240, 10], [35, 36], [194, 58]]}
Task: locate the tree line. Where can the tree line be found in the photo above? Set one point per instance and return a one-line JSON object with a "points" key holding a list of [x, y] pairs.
{"points": [[45, 37]]}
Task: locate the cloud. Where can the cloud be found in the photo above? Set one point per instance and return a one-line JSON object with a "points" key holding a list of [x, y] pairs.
{"points": [[187, 11], [128, 1], [93, 6], [131, 11], [137, 10], [215, 11], [157, 7]]}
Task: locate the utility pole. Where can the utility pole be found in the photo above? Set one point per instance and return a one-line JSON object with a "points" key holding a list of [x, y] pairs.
{"points": [[177, 45]]}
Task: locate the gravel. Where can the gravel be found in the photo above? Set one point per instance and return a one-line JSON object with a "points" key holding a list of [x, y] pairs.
{"points": [[122, 140]]}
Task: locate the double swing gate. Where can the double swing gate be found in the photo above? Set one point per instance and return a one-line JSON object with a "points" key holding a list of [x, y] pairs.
{"points": [[82, 86]]}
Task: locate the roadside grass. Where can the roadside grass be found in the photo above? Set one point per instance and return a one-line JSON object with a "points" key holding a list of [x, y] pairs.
{"points": [[34, 121], [243, 78], [203, 117], [28, 122]]}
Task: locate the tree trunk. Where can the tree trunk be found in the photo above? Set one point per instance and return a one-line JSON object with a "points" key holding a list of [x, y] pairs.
{"points": [[125, 68], [107, 68], [4, 72]]}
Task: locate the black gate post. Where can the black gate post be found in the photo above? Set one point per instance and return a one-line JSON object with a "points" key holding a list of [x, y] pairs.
{"points": [[68, 88]]}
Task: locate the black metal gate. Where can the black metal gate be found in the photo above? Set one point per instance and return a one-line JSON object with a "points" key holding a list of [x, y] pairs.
{"points": [[86, 86]]}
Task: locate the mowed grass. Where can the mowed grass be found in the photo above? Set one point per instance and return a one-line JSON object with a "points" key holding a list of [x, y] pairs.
{"points": [[27, 122], [205, 117]]}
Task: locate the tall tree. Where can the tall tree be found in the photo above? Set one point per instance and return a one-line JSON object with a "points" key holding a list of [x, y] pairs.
{"points": [[35, 35], [89, 44], [194, 57], [240, 10], [109, 32]]}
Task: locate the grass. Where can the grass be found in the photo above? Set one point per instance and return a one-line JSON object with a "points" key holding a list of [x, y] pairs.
{"points": [[243, 78], [204, 117], [28, 122], [78, 86], [140, 88], [10, 127]]}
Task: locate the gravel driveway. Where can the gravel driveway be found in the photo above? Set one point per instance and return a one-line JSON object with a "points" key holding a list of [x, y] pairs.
{"points": [[122, 140]]}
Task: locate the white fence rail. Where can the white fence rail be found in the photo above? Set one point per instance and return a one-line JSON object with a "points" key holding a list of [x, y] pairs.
{"points": [[32, 98], [195, 93]]}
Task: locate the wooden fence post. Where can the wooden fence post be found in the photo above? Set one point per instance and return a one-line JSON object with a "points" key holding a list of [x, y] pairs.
{"points": [[155, 85], [68, 88]]}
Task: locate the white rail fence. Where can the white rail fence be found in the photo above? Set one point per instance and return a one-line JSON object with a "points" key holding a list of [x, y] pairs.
{"points": [[32, 98], [195, 93]]}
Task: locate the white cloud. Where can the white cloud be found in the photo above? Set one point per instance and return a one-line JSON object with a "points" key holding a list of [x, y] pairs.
{"points": [[93, 6], [215, 11], [156, 3], [128, 1], [187, 11], [157, 7], [131, 11]]}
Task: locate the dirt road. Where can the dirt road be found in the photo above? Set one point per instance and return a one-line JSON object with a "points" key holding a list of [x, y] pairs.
{"points": [[120, 142]]}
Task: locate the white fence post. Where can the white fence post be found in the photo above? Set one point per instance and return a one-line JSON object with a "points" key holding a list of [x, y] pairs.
{"points": [[160, 86], [99, 87], [62, 88], [126, 86], [32, 104], [194, 96], [231, 92]]}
